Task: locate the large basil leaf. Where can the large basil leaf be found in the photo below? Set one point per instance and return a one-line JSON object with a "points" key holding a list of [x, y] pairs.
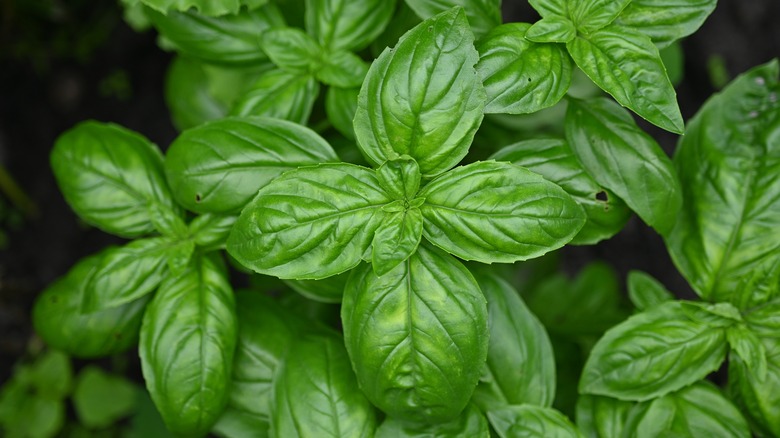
{"points": [[205, 7], [110, 175], [483, 15], [555, 161], [327, 290], [340, 106], [417, 336], [310, 223], [470, 423], [528, 421], [726, 240], [624, 159], [57, 317], [423, 98], [187, 344], [345, 24], [279, 94], [655, 352], [665, 21], [498, 212], [759, 398], [591, 15], [627, 65], [188, 95], [126, 273], [520, 76], [698, 410], [266, 331], [230, 39], [602, 417], [219, 166], [315, 393], [520, 364], [645, 291]]}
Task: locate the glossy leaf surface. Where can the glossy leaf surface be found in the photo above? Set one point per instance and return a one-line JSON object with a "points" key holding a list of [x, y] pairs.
{"points": [[645, 291], [210, 231], [423, 98], [219, 166], [400, 178], [602, 417], [345, 24], [665, 21], [498, 212], [310, 223], [521, 76], [528, 421], [483, 15], [624, 159], [342, 69], [279, 94], [417, 336], [340, 106], [554, 29], [470, 423], [110, 175], [726, 241], [627, 65], [205, 7], [591, 15], [291, 49], [757, 397], [746, 344], [396, 239]]}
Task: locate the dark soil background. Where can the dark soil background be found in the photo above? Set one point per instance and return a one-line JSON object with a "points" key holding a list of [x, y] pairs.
{"points": [[62, 62]]}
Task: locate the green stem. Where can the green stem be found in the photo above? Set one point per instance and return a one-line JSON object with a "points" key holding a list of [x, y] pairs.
{"points": [[18, 197]]}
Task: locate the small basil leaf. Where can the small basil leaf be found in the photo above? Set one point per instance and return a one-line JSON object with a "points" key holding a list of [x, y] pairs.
{"points": [[327, 290], [520, 365], [167, 221], [626, 64], [23, 415], [340, 106], [310, 223], [101, 399], [229, 39], [625, 159], [315, 393], [414, 102], [210, 231], [396, 239], [188, 338], [665, 21], [342, 69], [291, 49], [219, 166], [483, 15], [204, 7], [279, 94], [645, 291], [521, 76], [528, 421], [188, 96], [747, 345], [126, 273], [556, 162], [551, 8], [591, 15], [347, 25], [553, 29], [718, 315], [470, 423], [764, 320], [498, 212], [725, 241], [179, 256], [110, 176], [417, 336], [400, 178], [57, 317], [758, 398], [602, 417], [653, 353]]}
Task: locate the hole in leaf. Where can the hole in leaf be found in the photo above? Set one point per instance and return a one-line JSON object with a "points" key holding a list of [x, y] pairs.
{"points": [[602, 196], [529, 80], [430, 28], [197, 197]]}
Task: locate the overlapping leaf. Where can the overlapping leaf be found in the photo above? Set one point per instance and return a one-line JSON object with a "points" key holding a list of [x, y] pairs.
{"points": [[483, 15], [528, 421], [279, 94], [345, 24], [666, 21], [205, 7]]}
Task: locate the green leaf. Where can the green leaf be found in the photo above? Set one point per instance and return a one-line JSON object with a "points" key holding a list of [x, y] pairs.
{"points": [[316, 394], [310, 223], [396, 239], [125, 274], [556, 162], [551, 8], [230, 39], [521, 76], [623, 158], [698, 410], [110, 176], [483, 15], [57, 317], [347, 25], [340, 106], [188, 96], [417, 336], [400, 178], [168, 222], [757, 397], [626, 64], [520, 365], [187, 341], [342, 69], [204, 7], [725, 242], [210, 231], [470, 423], [528, 421], [747, 345], [423, 98], [291, 49], [51, 375], [326, 290], [646, 292], [655, 352], [602, 417], [22, 415], [665, 21], [279, 94], [101, 399], [591, 15], [498, 212], [219, 166], [553, 29]]}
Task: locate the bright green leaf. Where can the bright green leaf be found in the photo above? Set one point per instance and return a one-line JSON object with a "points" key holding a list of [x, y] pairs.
{"points": [[342, 69], [205, 7], [340, 106], [400, 178], [396, 239], [188, 96], [553, 29], [747, 345], [101, 399], [528, 421], [25, 416], [210, 231], [602, 417], [665, 21], [345, 24], [292, 50], [645, 291], [470, 423], [591, 15], [483, 15], [758, 398], [279, 94], [551, 8]]}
